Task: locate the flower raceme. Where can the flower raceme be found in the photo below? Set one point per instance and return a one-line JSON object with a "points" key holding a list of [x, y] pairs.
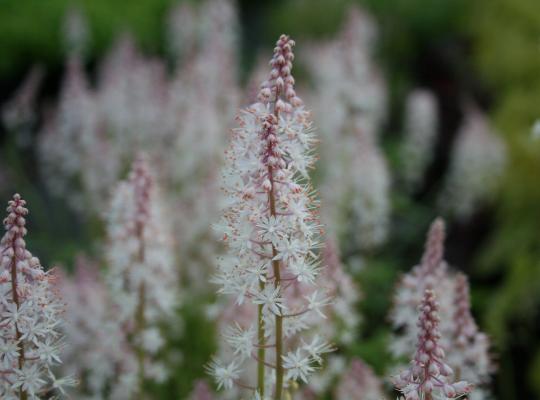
{"points": [[428, 376], [271, 230], [30, 309]]}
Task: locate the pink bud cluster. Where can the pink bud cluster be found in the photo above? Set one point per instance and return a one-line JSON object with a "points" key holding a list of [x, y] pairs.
{"points": [[30, 315], [429, 376]]}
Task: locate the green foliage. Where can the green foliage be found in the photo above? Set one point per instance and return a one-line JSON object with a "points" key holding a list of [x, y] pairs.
{"points": [[506, 36], [30, 30]]}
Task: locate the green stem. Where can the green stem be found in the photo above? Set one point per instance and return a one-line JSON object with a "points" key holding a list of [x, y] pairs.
{"points": [[261, 353], [140, 320], [15, 296], [140, 323], [277, 282]]}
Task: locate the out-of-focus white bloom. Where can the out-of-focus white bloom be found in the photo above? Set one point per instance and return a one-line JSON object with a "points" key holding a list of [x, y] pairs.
{"points": [[271, 231], [30, 314], [97, 346], [470, 355], [77, 161], [142, 278], [359, 382], [75, 32], [181, 31], [19, 114], [420, 135], [428, 374], [350, 104], [478, 162]]}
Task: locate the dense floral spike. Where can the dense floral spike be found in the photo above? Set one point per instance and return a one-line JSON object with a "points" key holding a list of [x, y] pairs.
{"points": [[431, 273], [30, 316], [470, 356], [359, 382], [271, 230], [420, 135], [478, 162], [429, 377], [141, 276]]}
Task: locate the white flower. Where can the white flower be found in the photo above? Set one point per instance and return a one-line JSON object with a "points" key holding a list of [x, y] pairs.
{"points": [[224, 374], [241, 340], [271, 300], [271, 229], [316, 347], [298, 365], [315, 303]]}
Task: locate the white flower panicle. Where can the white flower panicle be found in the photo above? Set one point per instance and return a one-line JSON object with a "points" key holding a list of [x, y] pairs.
{"points": [[30, 316], [359, 382], [271, 231], [477, 165], [142, 278], [420, 135], [429, 376]]}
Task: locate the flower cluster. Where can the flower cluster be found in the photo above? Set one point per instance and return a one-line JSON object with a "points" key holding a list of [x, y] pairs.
{"points": [[478, 162], [30, 316], [420, 135], [271, 231], [429, 376]]}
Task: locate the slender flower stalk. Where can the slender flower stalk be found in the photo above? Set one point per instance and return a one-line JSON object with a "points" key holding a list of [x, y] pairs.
{"points": [[30, 309], [429, 376], [271, 230]]}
